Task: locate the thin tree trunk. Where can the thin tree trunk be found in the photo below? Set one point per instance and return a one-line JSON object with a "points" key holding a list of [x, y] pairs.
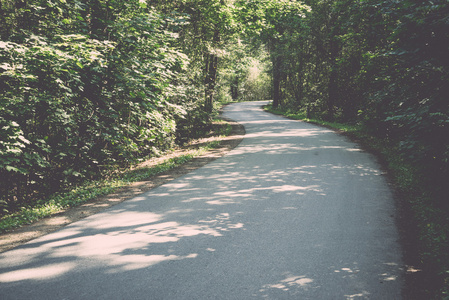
{"points": [[333, 79], [277, 62], [211, 75]]}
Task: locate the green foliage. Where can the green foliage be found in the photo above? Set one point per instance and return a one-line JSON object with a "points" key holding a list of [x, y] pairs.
{"points": [[101, 87], [381, 65], [279, 25], [93, 189], [86, 86], [244, 74], [211, 24], [419, 110]]}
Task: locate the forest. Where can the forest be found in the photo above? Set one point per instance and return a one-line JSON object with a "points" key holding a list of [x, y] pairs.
{"points": [[87, 86]]}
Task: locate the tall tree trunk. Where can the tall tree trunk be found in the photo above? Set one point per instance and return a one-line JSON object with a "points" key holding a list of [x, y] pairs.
{"points": [[332, 87], [211, 74], [277, 76], [235, 88]]}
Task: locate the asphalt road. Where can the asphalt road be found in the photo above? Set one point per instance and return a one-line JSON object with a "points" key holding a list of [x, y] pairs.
{"points": [[294, 212]]}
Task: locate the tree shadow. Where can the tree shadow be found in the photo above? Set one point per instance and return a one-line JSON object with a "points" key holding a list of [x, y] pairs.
{"points": [[294, 212]]}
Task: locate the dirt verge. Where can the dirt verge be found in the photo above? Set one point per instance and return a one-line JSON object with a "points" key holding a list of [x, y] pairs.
{"points": [[26, 233]]}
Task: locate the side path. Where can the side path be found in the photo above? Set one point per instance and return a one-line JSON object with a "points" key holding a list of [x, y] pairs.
{"points": [[26, 233]]}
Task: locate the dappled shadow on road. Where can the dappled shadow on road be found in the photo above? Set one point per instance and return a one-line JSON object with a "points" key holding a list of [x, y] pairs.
{"points": [[269, 220], [311, 284]]}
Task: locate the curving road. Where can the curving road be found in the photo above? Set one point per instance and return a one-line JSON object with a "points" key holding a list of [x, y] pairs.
{"points": [[294, 212]]}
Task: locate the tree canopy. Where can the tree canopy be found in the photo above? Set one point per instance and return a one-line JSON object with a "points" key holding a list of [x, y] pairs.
{"points": [[89, 85]]}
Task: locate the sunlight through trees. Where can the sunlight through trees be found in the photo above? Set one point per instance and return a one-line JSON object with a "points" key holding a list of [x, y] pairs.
{"points": [[90, 85]]}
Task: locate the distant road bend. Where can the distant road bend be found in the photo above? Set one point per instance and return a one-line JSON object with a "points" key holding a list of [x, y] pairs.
{"points": [[294, 212]]}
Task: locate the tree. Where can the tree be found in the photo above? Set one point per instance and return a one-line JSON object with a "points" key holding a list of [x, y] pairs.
{"points": [[95, 85], [243, 74], [418, 89], [211, 25], [272, 23]]}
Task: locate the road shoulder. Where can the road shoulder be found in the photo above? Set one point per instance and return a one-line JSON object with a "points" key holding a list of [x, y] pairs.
{"points": [[19, 236]]}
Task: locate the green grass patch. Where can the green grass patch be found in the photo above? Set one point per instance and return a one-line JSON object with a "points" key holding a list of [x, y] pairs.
{"points": [[224, 128], [94, 189]]}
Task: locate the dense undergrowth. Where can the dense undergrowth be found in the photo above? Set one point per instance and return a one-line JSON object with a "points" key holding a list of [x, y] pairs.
{"points": [[90, 190], [427, 224], [89, 86]]}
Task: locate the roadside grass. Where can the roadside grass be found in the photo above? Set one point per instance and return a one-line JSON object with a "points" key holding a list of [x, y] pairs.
{"points": [[427, 226], [93, 189]]}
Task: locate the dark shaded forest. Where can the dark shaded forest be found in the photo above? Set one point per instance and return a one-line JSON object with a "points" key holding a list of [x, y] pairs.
{"points": [[89, 86]]}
